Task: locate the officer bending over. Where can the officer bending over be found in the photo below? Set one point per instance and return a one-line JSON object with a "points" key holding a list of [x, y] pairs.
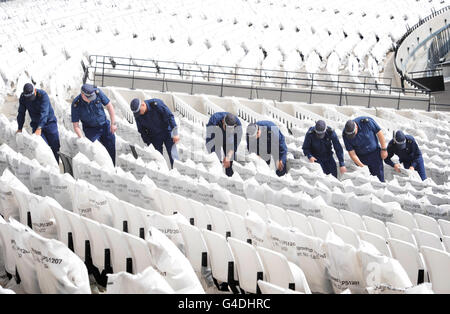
{"points": [[408, 152], [317, 147], [43, 119], [88, 108], [361, 137], [156, 124], [266, 140]]}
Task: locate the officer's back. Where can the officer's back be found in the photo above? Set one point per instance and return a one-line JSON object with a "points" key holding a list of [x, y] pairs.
{"points": [[154, 120]]}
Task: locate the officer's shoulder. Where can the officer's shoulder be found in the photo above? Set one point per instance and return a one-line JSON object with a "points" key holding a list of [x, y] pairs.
{"points": [[330, 130], [76, 101], [311, 130], [410, 139]]}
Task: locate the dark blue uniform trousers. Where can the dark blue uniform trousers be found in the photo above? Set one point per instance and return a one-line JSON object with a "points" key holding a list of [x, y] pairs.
{"points": [[375, 163], [328, 166], [50, 135], [166, 139], [103, 135], [420, 168]]}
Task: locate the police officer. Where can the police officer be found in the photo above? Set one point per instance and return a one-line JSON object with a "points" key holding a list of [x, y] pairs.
{"points": [[88, 108], [43, 120], [224, 130], [156, 124], [266, 140], [317, 147], [408, 152], [361, 137]]}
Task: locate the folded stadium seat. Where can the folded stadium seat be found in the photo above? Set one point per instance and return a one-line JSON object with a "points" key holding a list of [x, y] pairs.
{"points": [[429, 224], [281, 272], [80, 236], [121, 258], [320, 227], [375, 226], [438, 264], [223, 266], [136, 223], [219, 221], [347, 234], [7, 252], [300, 222], [331, 214], [140, 252], [202, 219], [26, 202], [377, 241], [278, 215], [399, 232], [195, 248], [63, 227], [237, 224], [269, 288], [249, 266], [410, 258], [446, 242], [167, 202], [182, 206], [428, 239], [445, 227], [100, 250], [119, 214], [353, 220], [258, 208], [240, 205]]}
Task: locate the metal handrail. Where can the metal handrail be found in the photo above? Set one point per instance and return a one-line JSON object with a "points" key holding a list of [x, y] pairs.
{"points": [[409, 32], [287, 78]]}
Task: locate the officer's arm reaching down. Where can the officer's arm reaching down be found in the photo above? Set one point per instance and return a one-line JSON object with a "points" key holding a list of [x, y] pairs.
{"points": [[355, 159], [77, 129], [384, 153], [112, 115]]}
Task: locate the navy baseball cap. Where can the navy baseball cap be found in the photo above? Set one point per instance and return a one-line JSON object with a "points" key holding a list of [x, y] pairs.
{"points": [[320, 129], [28, 92], [400, 139], [89, 91], [135, 105], [350, 129], [252, 130], [230, 120]]}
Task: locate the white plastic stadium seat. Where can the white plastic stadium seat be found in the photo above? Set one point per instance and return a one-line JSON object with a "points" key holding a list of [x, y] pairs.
{"points": [[237, 224], [376, 226], [269, 288], [429, 224], [219, 221], [320, 227], [300, 222], [97, 241], [348, 235], [120, 253], [195, 247], [409, 257], [353, 220], [279, 215], [140, 252], [183, 206], [446, 242], [445, 227], [202, 219], [249, 265], [438, 264], [281, 272], [240, 205], [80, 235], [223, 266], [404, 218], [377, 241], [63, 227], [425, 238], [259, 208], [332, 215], [401, 233]]}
